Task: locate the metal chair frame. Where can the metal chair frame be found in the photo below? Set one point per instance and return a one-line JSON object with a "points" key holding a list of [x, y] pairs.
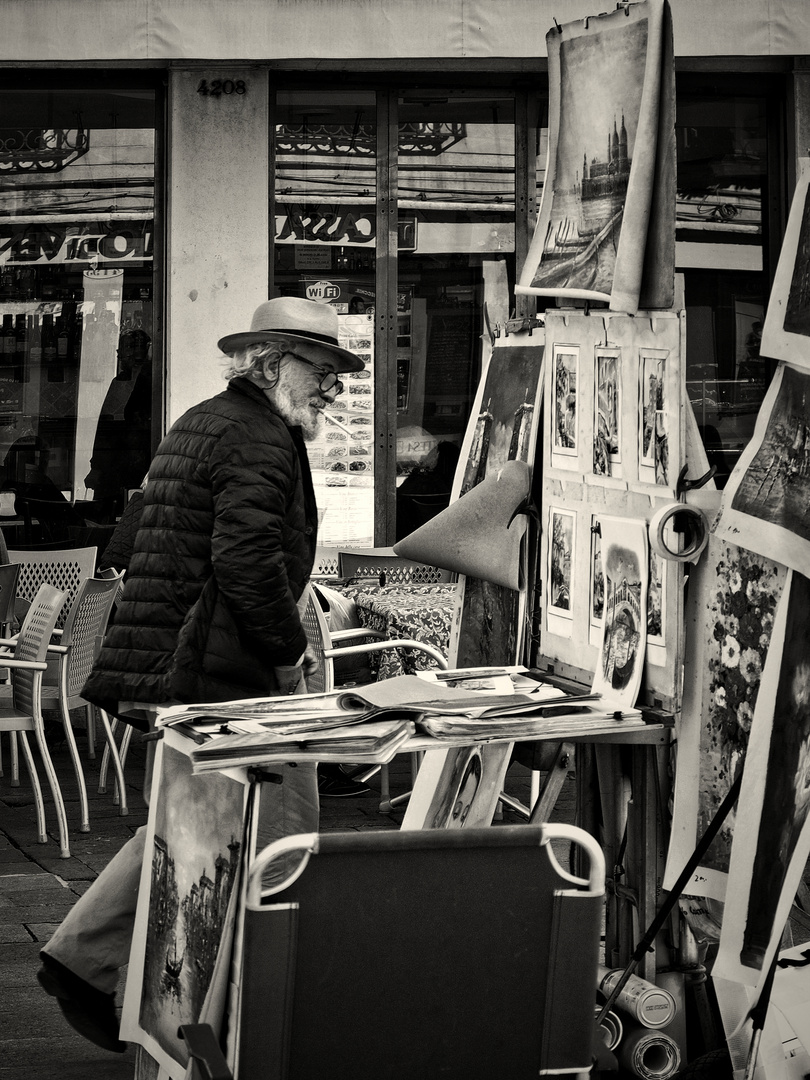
{"points": [[27, 664], [372, 562]]}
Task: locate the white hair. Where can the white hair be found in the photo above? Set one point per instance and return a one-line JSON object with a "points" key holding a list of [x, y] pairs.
{"points": [[252, 357]]}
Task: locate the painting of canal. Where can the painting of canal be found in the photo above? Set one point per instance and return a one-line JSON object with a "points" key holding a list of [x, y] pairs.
{"points": [[195, 859], [594, 155]]}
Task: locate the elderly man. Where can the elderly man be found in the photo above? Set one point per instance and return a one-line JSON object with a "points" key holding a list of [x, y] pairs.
{"points": [[223, 554]]}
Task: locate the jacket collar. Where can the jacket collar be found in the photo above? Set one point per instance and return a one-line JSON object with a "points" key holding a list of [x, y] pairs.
{"points": [[243, 385]]}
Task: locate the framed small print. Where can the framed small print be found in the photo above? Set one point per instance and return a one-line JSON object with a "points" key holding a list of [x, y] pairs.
{"points": [[607, 413], [653, 436], [564, 403], [562, 536]]}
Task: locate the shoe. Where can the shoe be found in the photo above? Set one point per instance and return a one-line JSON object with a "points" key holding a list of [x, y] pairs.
{"points": [[337, 785], [88, 1010]]}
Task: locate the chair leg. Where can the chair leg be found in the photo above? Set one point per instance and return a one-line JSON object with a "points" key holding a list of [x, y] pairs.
{"points": [[15, 760], [123, 811], [32, 771], [56, 791], [91, 732], [84, 807], [105, 761]]}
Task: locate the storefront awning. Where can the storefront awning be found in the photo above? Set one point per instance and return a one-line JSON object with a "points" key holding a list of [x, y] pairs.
{"points": [[144, 30]]}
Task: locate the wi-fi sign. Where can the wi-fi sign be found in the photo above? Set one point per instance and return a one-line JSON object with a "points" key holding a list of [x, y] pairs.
{"points": [[323, 291]]}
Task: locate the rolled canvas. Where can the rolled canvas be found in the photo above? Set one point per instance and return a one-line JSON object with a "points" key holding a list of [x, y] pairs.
{"points": [[479, 534]]}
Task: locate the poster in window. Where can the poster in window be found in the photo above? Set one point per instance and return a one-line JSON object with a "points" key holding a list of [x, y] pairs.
{"points": [[609, 197]]}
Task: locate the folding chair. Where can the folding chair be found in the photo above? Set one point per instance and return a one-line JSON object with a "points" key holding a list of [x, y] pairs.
{"points": [[460, 954], [372, 562]]}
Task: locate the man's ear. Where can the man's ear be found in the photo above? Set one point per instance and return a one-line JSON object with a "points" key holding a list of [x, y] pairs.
{"points": [[270, 371]]}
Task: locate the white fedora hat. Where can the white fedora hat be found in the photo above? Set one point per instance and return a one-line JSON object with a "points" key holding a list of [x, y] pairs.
{"points": [[295, 318]]}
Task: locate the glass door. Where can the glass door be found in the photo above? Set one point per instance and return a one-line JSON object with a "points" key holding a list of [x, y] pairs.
{"points": [[325, 220]]}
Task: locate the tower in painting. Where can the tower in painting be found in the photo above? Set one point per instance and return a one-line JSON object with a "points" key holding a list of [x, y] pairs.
{"points": [[477, 462], [521, 430]]}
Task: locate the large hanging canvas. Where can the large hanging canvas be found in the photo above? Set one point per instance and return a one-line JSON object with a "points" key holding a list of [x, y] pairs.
{"points": [[766, 503], [606, 228], [729, 621], [503, 428], [786, 333], [772, 836]]}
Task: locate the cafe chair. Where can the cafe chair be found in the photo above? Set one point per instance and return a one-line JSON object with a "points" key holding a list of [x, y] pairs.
{"points": [[464, 954], [23, 712], [326, 645], [326, 566], [70, 661], [66, 569], [375, 562]]}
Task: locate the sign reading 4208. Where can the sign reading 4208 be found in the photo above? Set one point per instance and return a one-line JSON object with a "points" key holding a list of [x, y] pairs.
{"points": [[218, 87]]}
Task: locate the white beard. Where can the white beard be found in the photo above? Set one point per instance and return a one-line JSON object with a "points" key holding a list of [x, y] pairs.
{"points": [[296, 415]]}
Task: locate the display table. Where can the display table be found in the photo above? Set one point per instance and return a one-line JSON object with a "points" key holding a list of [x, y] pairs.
{"points": [[418, 612]]}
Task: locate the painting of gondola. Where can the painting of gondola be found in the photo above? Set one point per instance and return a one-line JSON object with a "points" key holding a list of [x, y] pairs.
{"points": [[604, 160], [766, 502], [185, 911]]}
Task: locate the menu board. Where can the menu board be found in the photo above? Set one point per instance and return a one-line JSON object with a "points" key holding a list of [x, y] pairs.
{"points": [[342, 454]]}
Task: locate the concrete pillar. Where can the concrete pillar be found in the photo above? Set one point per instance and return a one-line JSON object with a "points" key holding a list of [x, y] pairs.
{"points": [[218, 234]]}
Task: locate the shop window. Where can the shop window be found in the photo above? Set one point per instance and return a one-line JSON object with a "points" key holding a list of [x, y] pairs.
{"points": [[77, 205]]}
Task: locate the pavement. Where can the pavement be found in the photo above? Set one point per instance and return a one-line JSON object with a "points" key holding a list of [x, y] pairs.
{"points": [[38, 888]]}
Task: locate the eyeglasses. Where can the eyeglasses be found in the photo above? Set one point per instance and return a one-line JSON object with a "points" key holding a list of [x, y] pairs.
{"points": [[329, 380]]}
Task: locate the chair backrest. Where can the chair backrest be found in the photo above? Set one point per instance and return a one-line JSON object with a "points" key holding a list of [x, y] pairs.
{"points": [[32, 644], [9, 574], [474, 956], [327, 565], [371, 562], [85, 627], [66, 569], [322, 680]]}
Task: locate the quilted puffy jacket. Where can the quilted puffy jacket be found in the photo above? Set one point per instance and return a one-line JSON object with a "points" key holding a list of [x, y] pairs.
{"points": [[224, 550]]}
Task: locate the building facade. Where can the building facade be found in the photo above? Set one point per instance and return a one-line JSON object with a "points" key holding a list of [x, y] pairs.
{"points": [[166, 165]]}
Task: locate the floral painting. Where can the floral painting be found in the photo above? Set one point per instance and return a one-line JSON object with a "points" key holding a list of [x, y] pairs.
{"points": [[742, 605]]}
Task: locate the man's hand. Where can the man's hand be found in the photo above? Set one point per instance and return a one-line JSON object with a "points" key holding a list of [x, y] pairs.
{"points": [[310, 662], [291, 679]]}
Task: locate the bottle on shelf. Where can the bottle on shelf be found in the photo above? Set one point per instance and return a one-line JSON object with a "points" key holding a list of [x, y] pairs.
{"points": [[21, 351], [34, 346], [9, 349]]}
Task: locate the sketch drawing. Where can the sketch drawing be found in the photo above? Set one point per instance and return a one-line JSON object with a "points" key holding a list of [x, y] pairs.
{"points": [[607, 411], [564, 385], [624, 638], [654, 445], [561, 561]]}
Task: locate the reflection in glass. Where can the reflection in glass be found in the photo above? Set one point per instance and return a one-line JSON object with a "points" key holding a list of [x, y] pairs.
{"points": [[76, 288]]}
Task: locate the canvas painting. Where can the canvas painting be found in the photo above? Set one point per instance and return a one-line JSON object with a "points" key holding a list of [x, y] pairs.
{"points": [[607, 438], [624, 635], [766, 502], [772, 836], [597, 605], [786, 333], [733, 598], [605, 78], [185, 904], [458, 788]]}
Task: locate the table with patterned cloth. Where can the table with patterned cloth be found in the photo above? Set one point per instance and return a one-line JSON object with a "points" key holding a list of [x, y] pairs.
{"points": [[420, 612]]}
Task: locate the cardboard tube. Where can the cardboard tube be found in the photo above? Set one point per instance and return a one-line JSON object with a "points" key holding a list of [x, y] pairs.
{"points": [[652, 1055]]}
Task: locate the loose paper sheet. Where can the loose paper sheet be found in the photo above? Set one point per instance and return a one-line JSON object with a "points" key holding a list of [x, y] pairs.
{"points": [[766, 503]]}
